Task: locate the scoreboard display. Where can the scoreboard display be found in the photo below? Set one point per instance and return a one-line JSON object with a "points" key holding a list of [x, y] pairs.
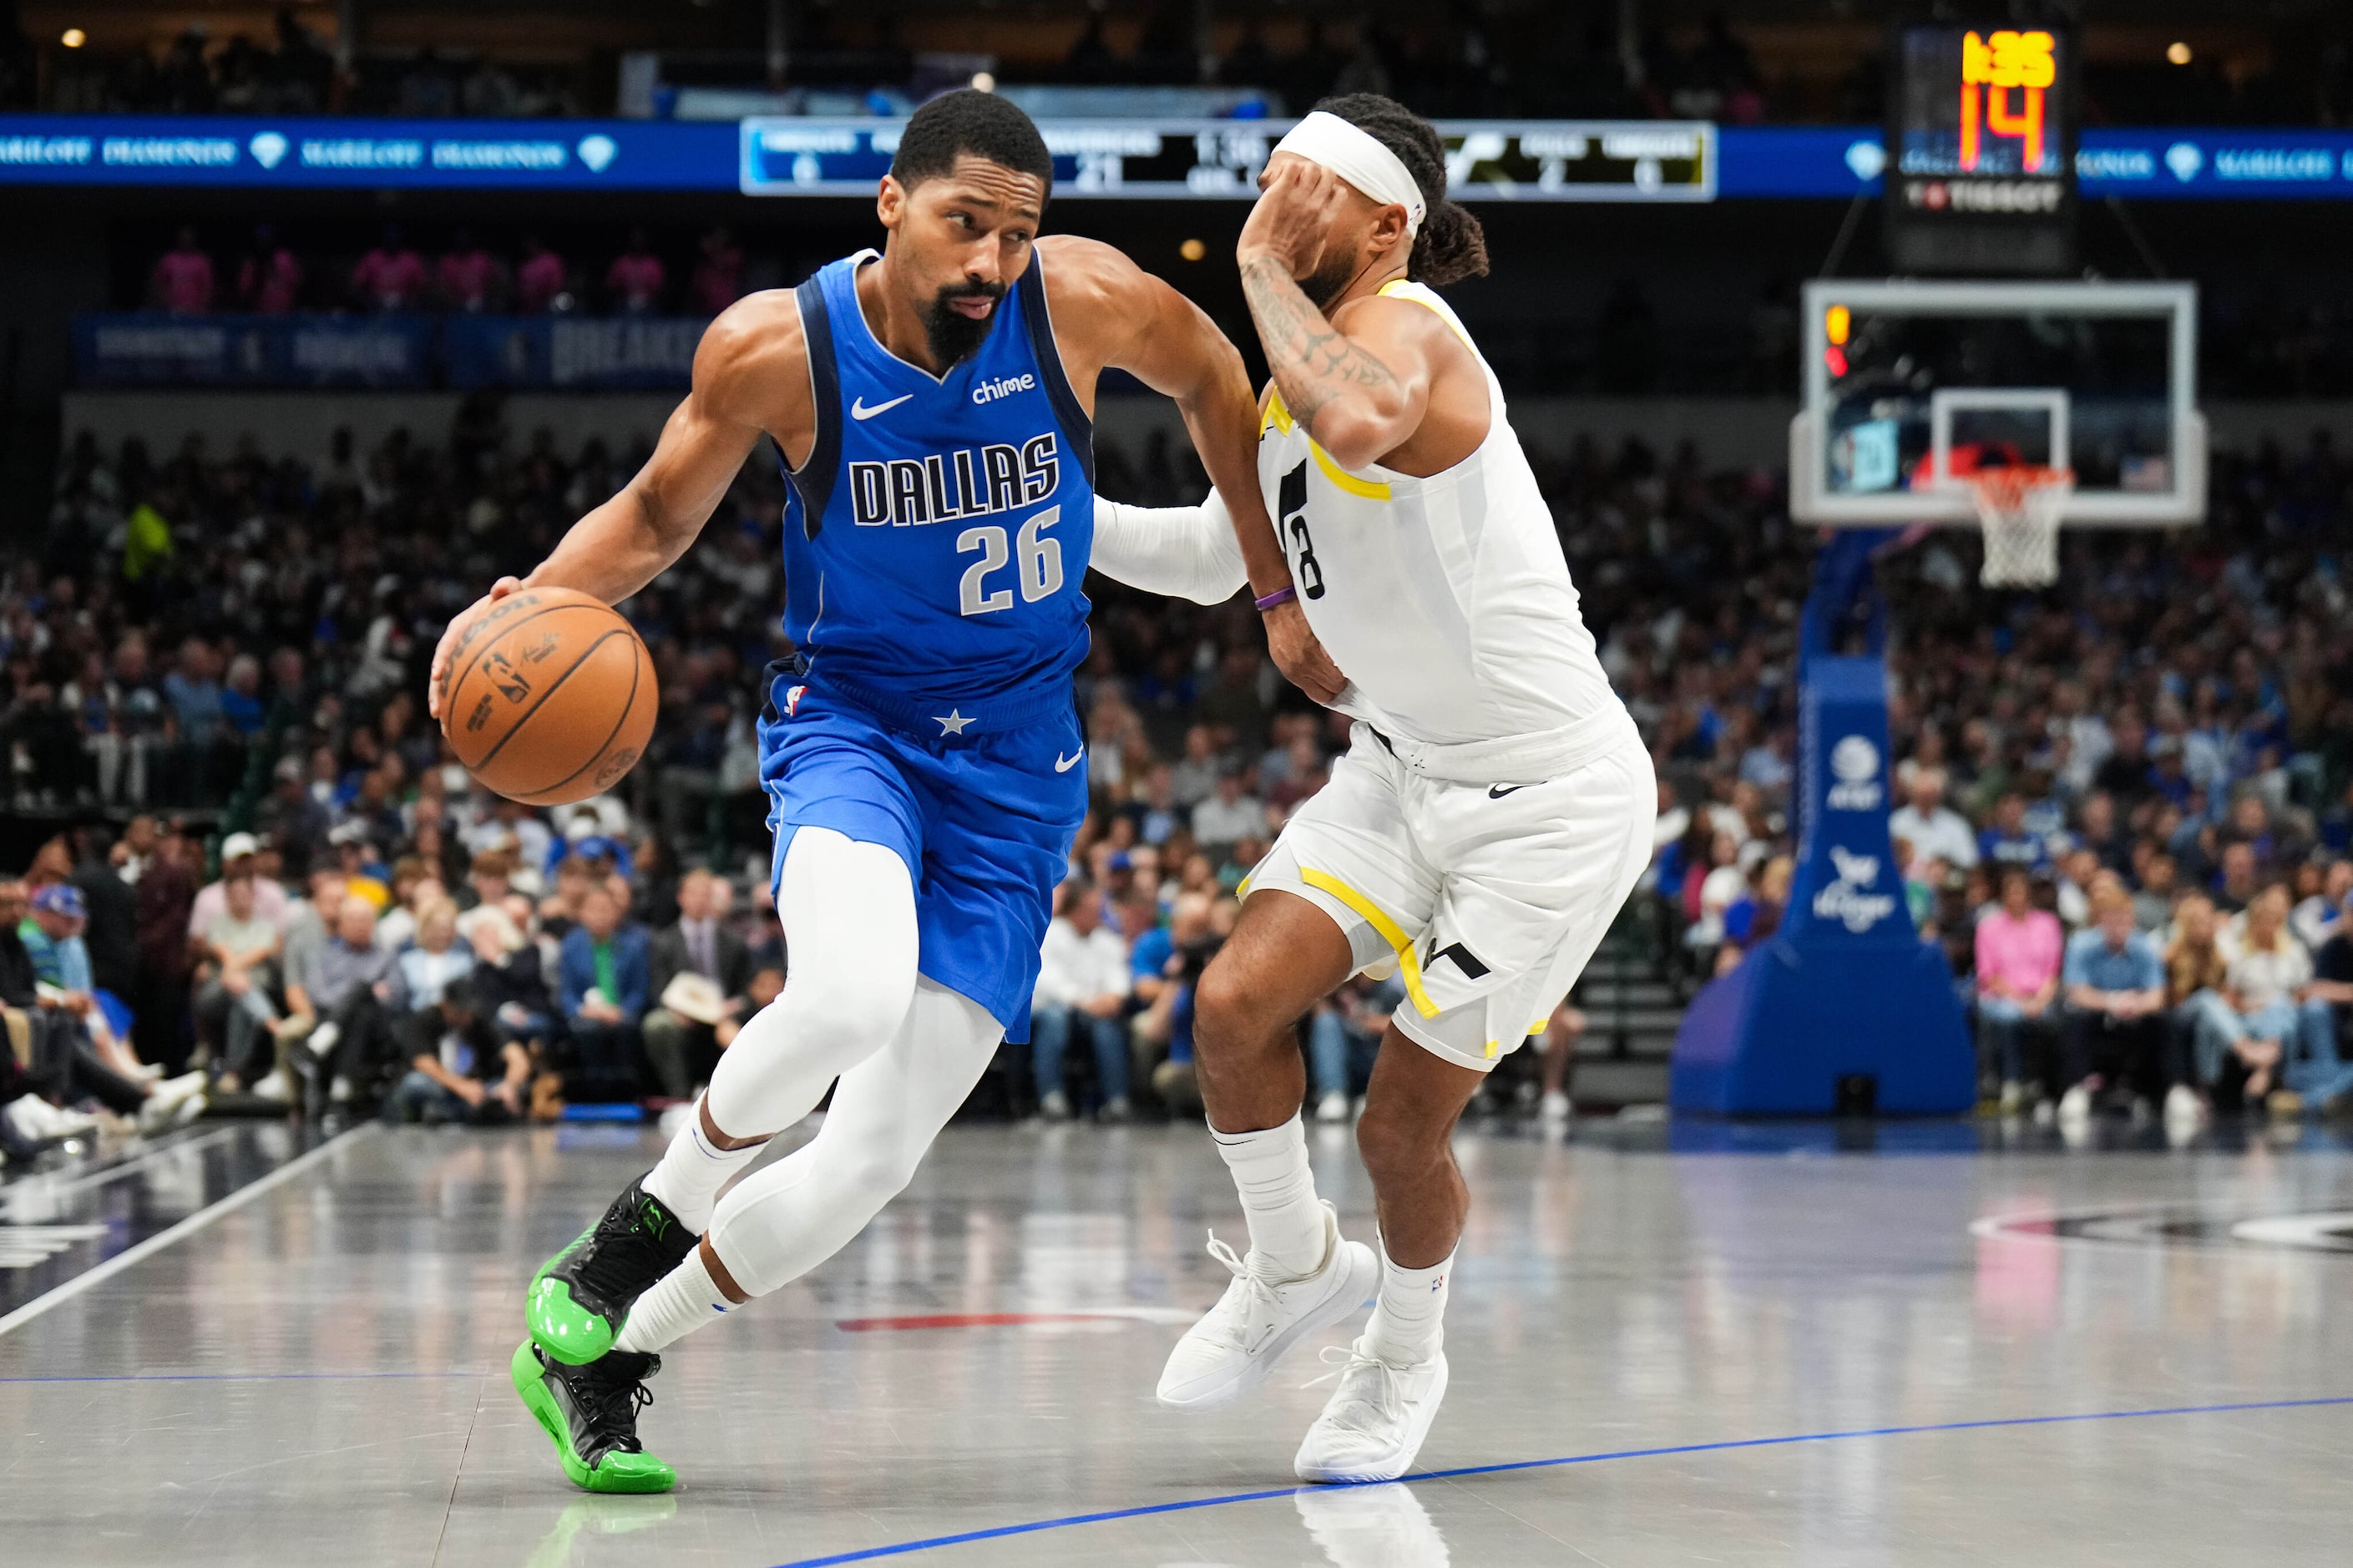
{"points": [[1981, 138], [1560, 161]]}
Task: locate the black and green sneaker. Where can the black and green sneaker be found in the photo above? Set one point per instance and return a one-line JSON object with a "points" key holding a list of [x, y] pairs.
{"points": [[580, 1297], [591, 1413]]}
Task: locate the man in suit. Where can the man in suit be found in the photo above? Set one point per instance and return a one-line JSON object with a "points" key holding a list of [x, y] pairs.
{"points": [[685, 1032], [603, 977]]}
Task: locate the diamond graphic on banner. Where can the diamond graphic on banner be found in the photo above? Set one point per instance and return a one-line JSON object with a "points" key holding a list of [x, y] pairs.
{"points": [[2184, 160], [597, 151], [267, 148], [1867, 159]]}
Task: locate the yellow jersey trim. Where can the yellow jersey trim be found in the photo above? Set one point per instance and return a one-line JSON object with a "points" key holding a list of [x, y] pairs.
{"points": [[1274, 413], [1409, 967], [1394, 288], [1279, 417]]}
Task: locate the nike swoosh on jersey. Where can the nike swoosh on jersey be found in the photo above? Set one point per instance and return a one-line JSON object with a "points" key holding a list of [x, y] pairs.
{"points": [[858, 409], [1063, 764]]}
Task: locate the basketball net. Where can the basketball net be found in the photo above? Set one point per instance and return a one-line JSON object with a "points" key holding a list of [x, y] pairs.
{"points": [[2021, 506]]}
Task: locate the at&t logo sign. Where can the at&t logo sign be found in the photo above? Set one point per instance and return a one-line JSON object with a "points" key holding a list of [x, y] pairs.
{"points": [[1854, 763]]}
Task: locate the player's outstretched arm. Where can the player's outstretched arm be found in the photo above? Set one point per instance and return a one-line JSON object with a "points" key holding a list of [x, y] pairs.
{"points": [[1360, 384], [1111, 310], [751, 374]]}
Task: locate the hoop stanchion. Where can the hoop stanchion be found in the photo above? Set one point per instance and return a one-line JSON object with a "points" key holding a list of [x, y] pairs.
{"points": [[2020, 507]]}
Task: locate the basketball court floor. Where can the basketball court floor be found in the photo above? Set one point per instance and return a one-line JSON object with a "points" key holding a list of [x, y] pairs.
{"points": [[1902, 1345]]}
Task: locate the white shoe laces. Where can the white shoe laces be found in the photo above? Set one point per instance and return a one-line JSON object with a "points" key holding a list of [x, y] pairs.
{"points": [[1372, 1404], [1257, 1305]]}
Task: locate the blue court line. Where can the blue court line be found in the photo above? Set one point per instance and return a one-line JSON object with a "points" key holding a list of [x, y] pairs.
{"points": [[239, 1376], [904, 1548]]}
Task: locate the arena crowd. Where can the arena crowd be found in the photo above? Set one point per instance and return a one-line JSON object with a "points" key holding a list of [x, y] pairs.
{"points": [[2126, 814]]}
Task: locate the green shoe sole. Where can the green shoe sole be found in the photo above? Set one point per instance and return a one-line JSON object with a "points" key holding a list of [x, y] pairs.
{"points": [[559, 1325], [615, 1472]]}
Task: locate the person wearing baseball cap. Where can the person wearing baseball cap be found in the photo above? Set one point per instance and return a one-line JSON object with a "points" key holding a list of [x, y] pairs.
{"points": [[239, 858], [52, 938]]}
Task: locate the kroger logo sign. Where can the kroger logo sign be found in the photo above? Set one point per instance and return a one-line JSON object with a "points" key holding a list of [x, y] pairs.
{"points": [[1849, 900], [1854, 763]]}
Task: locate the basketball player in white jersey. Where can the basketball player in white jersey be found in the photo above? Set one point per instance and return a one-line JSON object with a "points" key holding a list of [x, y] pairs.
{"points": [[1495, 803]]}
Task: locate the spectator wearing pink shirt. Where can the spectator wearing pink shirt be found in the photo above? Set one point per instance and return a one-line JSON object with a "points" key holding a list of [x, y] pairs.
{"points": [[269, 280], [634, 280], [539, 281], [2020, 950], [468, 277], [719, 276], [183, 283], [392, 276]]}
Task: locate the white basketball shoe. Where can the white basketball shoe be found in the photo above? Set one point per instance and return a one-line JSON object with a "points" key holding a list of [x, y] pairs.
{"points": [[1375, 1422], [1261, 1315]]}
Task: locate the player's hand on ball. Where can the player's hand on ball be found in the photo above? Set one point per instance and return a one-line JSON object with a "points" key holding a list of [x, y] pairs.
{"points": [[1301, 657], [455, 631], [1294, 214]]}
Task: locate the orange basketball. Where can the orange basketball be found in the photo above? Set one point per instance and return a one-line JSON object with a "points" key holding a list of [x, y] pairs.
{"points": [[549, 698]]}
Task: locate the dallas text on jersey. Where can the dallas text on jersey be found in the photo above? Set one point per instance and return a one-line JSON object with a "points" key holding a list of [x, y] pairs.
{"points": [[971, 482]]}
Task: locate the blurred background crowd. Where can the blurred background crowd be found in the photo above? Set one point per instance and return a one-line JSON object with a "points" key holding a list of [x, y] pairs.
{"points": [[267, 886]]}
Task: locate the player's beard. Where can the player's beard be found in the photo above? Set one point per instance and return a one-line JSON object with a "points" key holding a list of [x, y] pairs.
{"points": [[953, 336], [1329, 280]]}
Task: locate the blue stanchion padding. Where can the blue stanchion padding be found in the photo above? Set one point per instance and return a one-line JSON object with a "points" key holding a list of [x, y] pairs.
{"points": [[1845, 988]]}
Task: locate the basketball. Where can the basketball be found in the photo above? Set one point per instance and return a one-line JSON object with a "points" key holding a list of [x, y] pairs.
{"points": [[550, 696]]}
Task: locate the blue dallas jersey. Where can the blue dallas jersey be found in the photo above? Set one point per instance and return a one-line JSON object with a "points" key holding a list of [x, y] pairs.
{"points": [[937, 539]]}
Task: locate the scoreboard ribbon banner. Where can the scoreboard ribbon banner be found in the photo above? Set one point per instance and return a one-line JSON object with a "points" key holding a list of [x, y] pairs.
{"points": [[1565, 161], [1628, 160]]}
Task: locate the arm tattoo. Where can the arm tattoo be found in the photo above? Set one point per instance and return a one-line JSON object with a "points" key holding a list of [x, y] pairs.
{"points": [[1313, 363]]}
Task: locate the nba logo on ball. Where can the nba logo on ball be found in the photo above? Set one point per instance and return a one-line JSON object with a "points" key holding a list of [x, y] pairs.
{"points": [[1854, 763]]}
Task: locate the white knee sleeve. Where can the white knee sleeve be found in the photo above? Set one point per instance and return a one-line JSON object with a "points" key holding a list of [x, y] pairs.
{"points": [[848, 913], [785, 1219]]}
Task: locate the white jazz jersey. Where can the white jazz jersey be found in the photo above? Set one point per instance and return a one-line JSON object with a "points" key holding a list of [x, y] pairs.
{"points": [[1495, 805], [1445, 600]]}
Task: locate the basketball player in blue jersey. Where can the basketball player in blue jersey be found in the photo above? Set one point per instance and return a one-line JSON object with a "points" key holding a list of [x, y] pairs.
{"points": [[922, 753]]}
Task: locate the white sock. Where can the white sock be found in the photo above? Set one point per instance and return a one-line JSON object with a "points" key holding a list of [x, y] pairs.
{"points": [[1408, 1322], [1278, 1192], [690, 1171], [679, 1302]]}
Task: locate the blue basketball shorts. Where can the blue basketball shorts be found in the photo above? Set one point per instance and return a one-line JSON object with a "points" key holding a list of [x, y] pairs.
{"points": [[984, 819]]}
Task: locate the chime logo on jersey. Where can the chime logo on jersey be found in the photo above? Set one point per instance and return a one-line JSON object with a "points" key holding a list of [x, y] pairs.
{"points": [[942, 487]]}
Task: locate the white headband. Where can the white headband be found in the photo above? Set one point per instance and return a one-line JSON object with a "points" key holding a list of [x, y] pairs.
{"points": [[1358, 158]]}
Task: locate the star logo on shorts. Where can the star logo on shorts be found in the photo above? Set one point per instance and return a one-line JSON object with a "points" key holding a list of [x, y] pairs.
{"points": [[952, 724]]}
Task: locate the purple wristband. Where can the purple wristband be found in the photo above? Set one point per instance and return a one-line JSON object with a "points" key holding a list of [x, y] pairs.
{"points": [[1282, 596]]}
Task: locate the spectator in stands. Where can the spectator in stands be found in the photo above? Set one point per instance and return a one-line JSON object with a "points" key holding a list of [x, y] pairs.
{"points": [[349, 991], [700, 972], [719, 276], [234, 980], [390, 277], [239, 857], [2320, 914], [182, 280], [427, 967], [541, 284], [1231, 814], [1344, 1035], [2115, 988], [2009, 842], [466, 279], [1935, 829], [1083, 990], [269, 277], [602, 983], [459, 1070], [635, 281], [2019, 956], [2261, 998]]}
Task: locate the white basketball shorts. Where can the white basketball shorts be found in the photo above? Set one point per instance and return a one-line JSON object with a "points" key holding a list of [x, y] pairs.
{"points": [[1490, 899]]}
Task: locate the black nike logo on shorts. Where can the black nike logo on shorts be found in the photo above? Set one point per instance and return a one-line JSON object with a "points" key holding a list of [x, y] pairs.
{"points": [[1498, 792]]}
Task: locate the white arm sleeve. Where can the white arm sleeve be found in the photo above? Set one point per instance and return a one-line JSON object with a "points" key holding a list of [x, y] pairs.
{"points": [[1184, 552]]}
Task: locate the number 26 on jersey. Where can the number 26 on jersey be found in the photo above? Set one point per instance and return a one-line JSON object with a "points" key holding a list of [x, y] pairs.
{"points": [[1036, 560]]}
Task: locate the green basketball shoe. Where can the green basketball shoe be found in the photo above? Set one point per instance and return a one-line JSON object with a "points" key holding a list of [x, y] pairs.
{"points": [[581, 1296], [591, 1414]]}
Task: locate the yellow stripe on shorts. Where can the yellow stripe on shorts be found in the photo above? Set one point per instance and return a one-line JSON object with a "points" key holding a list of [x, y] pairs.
{"points": [[1409, 967]]}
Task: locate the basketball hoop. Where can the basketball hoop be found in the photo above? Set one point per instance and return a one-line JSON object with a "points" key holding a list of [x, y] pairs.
{"points": [[2020, 507]]}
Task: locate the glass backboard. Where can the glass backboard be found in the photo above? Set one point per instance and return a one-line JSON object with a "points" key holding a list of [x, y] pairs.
{"points": [[1911, 386]]}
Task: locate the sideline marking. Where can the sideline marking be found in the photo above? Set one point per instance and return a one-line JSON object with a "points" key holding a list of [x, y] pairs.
{"points": [[904, 1548], [58, 1295], [18, 1197], [236, 1376], [1015, 1319]]}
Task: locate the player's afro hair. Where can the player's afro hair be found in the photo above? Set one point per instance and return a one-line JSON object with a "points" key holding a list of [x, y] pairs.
{"points": [[969, 120], [1449, 245]]}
